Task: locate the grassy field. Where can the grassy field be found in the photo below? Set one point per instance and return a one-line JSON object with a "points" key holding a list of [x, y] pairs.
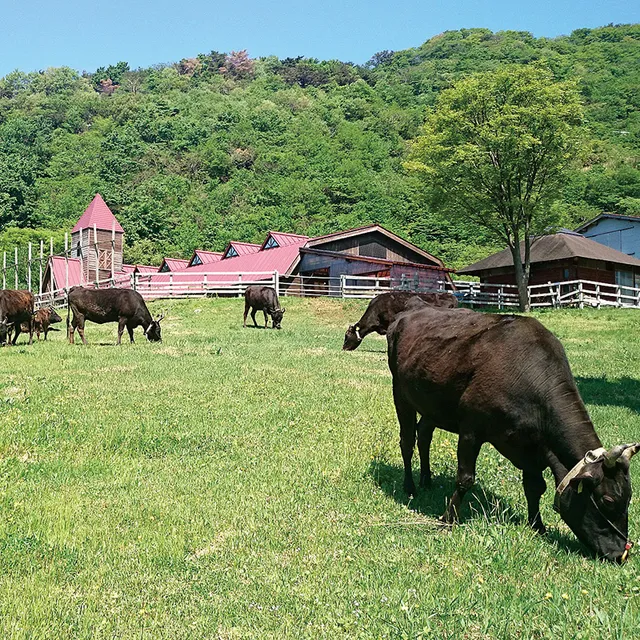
{"points": [[233, 483]]}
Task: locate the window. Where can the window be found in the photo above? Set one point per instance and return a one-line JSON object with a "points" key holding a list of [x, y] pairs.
{"points": [[271, 243], [164, 268], [565, 274], [196, 261], [231, 253]]}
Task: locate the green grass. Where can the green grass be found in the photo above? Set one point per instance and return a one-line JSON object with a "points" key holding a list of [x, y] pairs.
{"points": [[234, 483]]}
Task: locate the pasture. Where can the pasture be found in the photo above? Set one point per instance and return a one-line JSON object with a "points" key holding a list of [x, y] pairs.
{"points": [[243, 483]]}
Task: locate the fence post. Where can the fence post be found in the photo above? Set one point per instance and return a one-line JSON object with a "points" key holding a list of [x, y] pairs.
{"points": [[276, 282], [204, 283], [343, 282], [500, 297], [113, 252], [66, 263], [41, 260], [4, 271], [239, 285], [618, 303], [135, 281], [597, 296], [29, 253], [580, 295], [15, 262], [171, 283]]}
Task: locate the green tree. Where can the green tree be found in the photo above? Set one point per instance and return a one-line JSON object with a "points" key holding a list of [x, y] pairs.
{"points": [[496, 149]]}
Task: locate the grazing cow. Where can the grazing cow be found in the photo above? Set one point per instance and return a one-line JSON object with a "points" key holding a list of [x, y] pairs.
{"points": [[16, 307], [383, 309], [124, 306], [506, 380], [42, 321], [263, 299]]}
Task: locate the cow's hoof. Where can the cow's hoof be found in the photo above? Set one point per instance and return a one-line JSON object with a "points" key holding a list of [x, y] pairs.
{"points": [[425, 482], [539, 527], [410, 488]]}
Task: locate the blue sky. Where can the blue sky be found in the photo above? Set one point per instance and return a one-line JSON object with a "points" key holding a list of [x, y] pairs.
{"points": [[35, 34]]}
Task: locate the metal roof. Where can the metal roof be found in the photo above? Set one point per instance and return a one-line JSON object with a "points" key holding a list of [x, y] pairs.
{"points": [[205, 257], [174, 264], [601, 216], [557, 246], [98, 214]]}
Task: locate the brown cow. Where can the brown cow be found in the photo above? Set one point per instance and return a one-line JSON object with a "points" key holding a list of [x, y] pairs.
{"points": [[264, 299], [383, 309], [506, 380], [42, 321], [124, 306], [16, 307]]}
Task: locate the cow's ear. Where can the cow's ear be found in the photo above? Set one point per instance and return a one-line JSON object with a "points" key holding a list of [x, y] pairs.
{"points": [[589, 477]]}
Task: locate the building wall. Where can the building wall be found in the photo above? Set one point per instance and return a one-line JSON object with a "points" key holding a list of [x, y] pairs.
{"points": [[559, 271], [83, 246], [373, 245], [619, 234]]}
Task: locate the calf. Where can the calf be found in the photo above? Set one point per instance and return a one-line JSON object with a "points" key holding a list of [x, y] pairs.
{"points": [[124, 306], [263, 299], [506, 380], [16, 307], [383, 309], [42, 321]]}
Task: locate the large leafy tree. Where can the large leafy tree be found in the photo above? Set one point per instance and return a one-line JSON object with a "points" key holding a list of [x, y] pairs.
{"points": [[496, 148]]}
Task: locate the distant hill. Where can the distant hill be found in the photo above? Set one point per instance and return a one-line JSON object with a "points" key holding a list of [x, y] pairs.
{"points": [[221, 146]]}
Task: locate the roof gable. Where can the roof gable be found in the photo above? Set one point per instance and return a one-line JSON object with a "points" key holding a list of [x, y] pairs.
{"points": [[173, 264], [281, 239], [235, 249], [204, 257], [604, 216], [99, 215], [374, 228]]}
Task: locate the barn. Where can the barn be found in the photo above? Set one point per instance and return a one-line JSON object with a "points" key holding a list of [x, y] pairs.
{"points": [[559, 257], [304, 264]]}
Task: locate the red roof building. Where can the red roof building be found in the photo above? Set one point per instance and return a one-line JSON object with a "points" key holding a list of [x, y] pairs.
{"points": [[204, 257], [172, 264]]}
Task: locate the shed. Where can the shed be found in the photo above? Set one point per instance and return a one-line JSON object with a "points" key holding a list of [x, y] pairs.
{"points": [[619, 232], [562, 256]]}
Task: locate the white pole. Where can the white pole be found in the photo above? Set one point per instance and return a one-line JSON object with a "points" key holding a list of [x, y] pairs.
{"points": [[80, 254], [66, 263], [41, 259], [4, 271], [276, 282], [29, 269], [113, 251], [16, 265], [51, 246], [95, 244]]}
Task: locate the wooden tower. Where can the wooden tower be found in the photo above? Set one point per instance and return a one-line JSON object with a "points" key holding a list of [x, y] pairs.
{"points": [[96, 240]]}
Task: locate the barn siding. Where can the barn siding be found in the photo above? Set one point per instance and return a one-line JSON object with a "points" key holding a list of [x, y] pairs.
{"points": [[619, 234], [83, 247]]}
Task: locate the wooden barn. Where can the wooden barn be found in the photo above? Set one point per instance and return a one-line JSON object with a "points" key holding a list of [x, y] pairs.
{"points": [[559, 257]]}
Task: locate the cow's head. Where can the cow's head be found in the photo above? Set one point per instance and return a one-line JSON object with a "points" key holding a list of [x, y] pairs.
{"points": [[153, 332], [5, 327], [276, 317], [595, 504], [53, 315], [352, 338]]}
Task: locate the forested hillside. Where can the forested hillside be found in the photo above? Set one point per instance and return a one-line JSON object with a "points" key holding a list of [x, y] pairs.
{"points": [[223, 146]]}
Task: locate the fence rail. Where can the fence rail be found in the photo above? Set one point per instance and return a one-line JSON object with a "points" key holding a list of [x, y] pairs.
{"points": [[177, 284]]}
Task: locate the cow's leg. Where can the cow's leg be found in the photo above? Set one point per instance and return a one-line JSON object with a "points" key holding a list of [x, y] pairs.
{"points": [[407, 419], [130, 328], [534, 487], [17, 328], [266, 318], [425, 433], [468, 449], [46, 331], [79, 324], [253, 317], [121, 325], [246, 311], [31, 323]]}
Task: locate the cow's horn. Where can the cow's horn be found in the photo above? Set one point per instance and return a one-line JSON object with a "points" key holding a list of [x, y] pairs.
{"points": [[631, 451], [160, 317], [611, 456]]}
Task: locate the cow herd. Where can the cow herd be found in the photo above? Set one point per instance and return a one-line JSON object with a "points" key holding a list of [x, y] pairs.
{"points": [[493, 378]]}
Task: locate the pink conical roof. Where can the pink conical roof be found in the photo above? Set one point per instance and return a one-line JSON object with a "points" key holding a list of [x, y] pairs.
{"points": [[98, 214]]}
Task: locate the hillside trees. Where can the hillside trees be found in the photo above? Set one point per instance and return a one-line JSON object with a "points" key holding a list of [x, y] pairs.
{"points": [[496, 149]]}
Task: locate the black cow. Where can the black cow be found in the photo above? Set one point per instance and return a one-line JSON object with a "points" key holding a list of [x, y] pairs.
{"points": [[506, 380], [16, 307], [263, 299], [124, 306], [42, 321], [383, 309]]}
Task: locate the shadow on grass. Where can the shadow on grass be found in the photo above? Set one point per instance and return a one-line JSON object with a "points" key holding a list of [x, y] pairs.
{"points": [[478, 503], [622, 392]]}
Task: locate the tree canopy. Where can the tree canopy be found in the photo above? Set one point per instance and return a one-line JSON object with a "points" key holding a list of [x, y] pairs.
{"points": [[224, 146]]}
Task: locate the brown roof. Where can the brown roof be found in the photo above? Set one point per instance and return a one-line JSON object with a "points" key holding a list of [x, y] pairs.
{"points": [[558, 246]]}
